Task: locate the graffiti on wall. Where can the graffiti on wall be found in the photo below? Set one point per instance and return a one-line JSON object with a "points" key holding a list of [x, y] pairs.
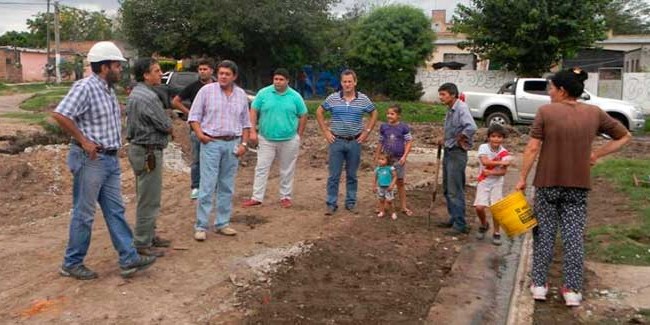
{"points": [[466, 80]]}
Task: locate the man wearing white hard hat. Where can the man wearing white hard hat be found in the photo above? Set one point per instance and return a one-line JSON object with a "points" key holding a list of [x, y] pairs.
{"points": [[90, 113]]}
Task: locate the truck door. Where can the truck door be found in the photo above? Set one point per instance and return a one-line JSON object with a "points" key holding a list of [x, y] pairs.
{"points": [[530, 95]]}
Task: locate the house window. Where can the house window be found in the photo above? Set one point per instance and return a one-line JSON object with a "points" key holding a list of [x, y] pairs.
{"points": [[8, 61]]}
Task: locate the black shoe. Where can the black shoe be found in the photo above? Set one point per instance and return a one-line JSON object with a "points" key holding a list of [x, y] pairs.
{"points": [[159, 242], [456, 232], [444, 224], [141, 264], [352, 209], [480, 235], [79, 272], [330, 211], [150, 251]]}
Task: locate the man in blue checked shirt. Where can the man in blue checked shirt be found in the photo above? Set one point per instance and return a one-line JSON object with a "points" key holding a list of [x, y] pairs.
{"points": [[345, 134], [91, 114], [459, 133]]}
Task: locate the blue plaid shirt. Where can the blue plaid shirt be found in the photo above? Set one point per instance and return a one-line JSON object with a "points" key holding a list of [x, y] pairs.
{"points": [[93, 106]]}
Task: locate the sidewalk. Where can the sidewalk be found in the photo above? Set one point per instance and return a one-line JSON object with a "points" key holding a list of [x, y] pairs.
{"points": [[482, 279]]}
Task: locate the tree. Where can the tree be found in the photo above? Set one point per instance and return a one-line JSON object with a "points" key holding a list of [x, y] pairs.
{"points": [[19, 39], [258, 35], [386, 48], [75, 25], [628, 17], [528, 36]]}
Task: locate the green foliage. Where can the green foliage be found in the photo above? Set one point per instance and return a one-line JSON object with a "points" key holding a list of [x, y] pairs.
{"points": [[258, 35], [528, 36], [624, 244], [19, 39], [411, 111], [387, 46], [628, 17], [42, 101], [31, 88], [75, 25], [167, 65]]}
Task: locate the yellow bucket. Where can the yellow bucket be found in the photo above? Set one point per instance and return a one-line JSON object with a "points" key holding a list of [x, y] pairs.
{"points": [[514, 214]]}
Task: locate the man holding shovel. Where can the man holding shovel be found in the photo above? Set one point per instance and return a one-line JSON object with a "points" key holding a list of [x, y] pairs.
{"points": [[459, 132]]}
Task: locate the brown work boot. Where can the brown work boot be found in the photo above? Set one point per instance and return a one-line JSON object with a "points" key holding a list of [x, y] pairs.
{"points": [[160, 242], [150, 251], [227, 231]]}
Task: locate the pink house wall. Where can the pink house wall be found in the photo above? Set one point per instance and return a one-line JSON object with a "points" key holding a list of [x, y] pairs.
{"points": [[33, 64]]}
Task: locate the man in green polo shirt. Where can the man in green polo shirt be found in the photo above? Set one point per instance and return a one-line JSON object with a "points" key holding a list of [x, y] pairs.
{"points": [[281, 115]]}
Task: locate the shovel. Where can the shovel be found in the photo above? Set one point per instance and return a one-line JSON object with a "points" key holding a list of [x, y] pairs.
{"points": [[435, 183]]}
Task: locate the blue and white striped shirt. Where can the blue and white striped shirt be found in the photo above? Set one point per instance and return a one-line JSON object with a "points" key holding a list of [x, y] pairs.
{"points": [[347, 117], [93, 106]]}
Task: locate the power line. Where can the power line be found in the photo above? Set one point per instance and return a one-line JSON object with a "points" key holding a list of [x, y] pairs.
{"points": [[23, 3]]}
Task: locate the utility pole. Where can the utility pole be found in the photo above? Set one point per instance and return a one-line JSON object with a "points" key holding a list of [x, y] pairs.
{"points": [[47, 33], [57, 39]]}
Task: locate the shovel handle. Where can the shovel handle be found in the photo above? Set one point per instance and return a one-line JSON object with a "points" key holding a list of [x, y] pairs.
{"points": [[439, 153]]}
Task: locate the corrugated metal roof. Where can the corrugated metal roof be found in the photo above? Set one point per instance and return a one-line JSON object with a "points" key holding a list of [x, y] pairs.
{"points": [[23, 49]]}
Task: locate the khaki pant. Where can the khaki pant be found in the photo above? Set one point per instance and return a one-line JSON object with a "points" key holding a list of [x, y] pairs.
{"points": [[287, 154], [148, 189]]}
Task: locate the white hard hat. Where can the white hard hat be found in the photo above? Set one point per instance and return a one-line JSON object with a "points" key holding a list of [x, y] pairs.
{"points": [[105, 51]]}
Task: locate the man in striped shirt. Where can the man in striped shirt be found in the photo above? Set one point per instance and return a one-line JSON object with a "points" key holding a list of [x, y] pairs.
{"points": [[91, 114], [219, 117], [345, 134]]}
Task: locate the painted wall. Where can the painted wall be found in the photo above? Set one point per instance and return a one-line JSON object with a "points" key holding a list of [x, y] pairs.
{"points": [[466, 80], [33, 64], [636, 86]]}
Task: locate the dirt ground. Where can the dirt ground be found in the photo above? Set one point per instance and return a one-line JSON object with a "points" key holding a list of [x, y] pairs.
{"points": [[285, 266], [394, 267]]}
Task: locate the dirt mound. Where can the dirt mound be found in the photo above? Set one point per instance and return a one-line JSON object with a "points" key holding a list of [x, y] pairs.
{"points": [[14, 144], [380, 271]]}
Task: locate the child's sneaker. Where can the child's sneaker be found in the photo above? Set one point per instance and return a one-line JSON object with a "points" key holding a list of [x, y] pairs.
{"points": [[496, 239], [393, 216], [482, 230], [539, 293], [380, 215], [571, 298]]}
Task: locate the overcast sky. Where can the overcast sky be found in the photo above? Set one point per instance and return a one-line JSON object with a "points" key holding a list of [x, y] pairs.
{"points": [[14, 13]]}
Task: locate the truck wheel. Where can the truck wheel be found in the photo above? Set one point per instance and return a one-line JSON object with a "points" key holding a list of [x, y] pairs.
{"points": [[498, 117]]}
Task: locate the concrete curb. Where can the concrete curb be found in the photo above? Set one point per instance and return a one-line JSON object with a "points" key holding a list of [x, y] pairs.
{"points": [[522, 305]]}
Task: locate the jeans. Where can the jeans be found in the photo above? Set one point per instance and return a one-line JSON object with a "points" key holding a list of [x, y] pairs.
{"points": [[340, 152], [96, 181], [453, 184], [148, 190], [218, 172], [195, 167]]}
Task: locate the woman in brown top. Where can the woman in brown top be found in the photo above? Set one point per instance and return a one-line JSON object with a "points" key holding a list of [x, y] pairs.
{"points": [[562, 135]]}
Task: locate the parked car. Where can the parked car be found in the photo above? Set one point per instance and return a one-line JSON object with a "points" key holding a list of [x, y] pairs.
{"points": [[517, 101]]}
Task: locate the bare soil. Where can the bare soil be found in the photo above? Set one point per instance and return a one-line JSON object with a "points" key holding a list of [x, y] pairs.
{"points": [[285, 266], [393, 269]]}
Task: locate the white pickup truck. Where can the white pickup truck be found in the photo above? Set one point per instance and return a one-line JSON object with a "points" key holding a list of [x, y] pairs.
{"points": [[517, 102]]}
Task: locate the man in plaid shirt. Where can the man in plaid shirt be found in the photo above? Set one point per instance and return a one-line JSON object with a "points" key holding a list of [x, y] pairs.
{"points": [[91, 114]]}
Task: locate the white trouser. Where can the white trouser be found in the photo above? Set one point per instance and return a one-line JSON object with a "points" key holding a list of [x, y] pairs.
{"points": [[287, 152]]}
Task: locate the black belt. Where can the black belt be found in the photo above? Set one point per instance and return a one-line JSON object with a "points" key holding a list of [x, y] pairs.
{"points": [[223, 137], [347, 138], [151, 146], [104, 151]]}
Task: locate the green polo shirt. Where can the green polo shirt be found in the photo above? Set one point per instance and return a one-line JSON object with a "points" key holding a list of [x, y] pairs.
{"points": [[278, 113]]}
